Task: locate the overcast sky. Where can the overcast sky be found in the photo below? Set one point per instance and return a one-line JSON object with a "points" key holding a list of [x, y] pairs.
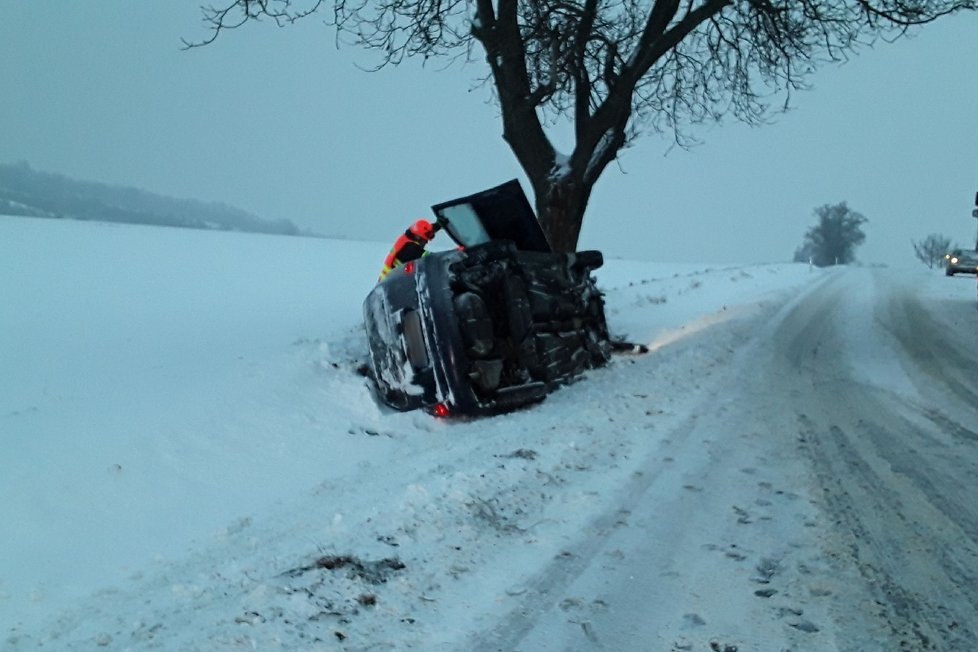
{"points": [[282, 124]]}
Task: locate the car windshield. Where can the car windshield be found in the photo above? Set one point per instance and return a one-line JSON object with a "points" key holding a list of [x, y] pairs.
{"points": [[463, 224]]}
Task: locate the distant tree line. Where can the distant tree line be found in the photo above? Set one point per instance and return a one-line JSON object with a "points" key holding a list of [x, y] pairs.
{"points": [[834, 239], [28, 192]]}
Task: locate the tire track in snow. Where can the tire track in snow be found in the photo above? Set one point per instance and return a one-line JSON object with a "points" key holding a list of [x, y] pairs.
{"points": [[901, 517], [544, 590]]}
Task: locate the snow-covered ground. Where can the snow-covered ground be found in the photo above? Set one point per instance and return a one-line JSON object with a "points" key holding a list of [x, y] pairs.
{"points": [[190, 460]]}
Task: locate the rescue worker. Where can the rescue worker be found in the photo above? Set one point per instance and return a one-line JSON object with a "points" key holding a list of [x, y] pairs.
{"points": [[409, 246]]}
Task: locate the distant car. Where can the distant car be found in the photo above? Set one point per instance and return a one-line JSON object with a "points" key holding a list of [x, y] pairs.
{"points": [[961, 260], [491, 326]]}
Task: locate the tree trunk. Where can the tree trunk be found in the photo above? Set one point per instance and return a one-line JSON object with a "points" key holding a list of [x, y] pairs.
{"points": [[560, 205]]}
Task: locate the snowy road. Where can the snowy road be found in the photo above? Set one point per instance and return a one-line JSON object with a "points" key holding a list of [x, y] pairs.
{"points": [[897, 474], [853, 413]]}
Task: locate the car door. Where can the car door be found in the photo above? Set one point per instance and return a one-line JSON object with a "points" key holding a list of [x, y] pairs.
{"points": [[499, 213]]}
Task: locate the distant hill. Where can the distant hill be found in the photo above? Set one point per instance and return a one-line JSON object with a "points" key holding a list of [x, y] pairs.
{"points": [[28, 192]]}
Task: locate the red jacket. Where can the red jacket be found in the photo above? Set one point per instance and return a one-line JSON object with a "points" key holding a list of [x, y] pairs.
{"points": [[409, 246]]}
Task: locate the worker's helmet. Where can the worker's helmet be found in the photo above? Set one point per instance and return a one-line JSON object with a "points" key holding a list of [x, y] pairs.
{"points": [[423, 229]]}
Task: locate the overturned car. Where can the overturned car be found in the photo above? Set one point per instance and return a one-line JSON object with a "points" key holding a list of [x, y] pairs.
{"points": [[491, 326]]}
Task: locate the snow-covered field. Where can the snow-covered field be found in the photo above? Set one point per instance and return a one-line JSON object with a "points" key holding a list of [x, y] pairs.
{"points": [[190, 460]]}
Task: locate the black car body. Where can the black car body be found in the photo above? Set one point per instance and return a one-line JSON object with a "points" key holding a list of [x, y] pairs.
{"points": [[491, 326]]}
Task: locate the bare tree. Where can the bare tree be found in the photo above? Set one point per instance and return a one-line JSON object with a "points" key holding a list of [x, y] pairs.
{"points": [[613, 68], [931, 249], [834, 239]]}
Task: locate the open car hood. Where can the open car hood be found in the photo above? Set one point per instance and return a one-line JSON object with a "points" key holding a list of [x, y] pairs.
{"points": [[500, 213]]}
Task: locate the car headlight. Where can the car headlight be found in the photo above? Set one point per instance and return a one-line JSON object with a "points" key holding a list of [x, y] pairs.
{"points": [[954, 261]]}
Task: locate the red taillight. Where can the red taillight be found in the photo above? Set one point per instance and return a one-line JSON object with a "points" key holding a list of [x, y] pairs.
{"points": [[441, 411]]}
